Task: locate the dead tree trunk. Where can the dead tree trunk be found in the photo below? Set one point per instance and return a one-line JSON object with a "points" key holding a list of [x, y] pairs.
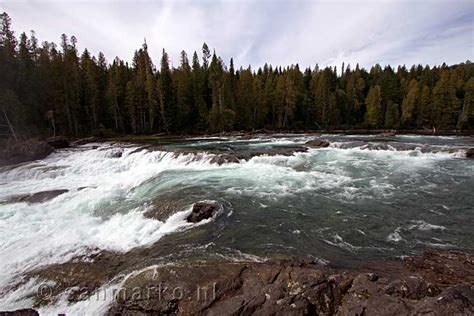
{"points": [[10, 126]]}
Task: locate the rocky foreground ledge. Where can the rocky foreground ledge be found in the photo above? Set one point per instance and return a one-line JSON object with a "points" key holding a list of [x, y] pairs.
{"points": [[436, 283], [432, 284]]}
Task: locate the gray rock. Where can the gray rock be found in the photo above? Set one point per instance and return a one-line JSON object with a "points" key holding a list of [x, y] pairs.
{"points": [[84, 141], [58, 142], [454, 301], [162, 210], [21, 312], [317, 143], [38, 197], [25, 151], [225, 158], [470, 153], [203, 210]]}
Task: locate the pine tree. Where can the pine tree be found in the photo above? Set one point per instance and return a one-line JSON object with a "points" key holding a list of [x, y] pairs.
{"points": [[245, 106], [90, 89], [131, 105], [423, 114], [373, 102], [168, 113], [113, 96], [8, 44], [199, 106], [70, 77], [409, 104], [184, 94], [445, 102], [466, 119], [392, 116]]}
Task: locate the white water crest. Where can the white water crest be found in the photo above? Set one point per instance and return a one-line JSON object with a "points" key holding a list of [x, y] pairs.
{"points": [[93, 215]]}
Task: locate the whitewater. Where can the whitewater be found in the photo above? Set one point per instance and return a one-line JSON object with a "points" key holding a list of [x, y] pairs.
{"points": [[362, 197]]}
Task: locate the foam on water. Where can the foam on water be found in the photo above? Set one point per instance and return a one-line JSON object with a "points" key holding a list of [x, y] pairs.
{"points": [[424, 226], [395, 236], [73, 224]]}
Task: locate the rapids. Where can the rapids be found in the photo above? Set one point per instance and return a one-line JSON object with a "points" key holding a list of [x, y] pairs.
{"points": [[363, 197]]}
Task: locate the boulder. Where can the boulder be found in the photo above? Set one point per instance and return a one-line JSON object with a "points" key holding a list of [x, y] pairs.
{"points": [[231, 156], [58, 142], [387, 134], [21, 312], [446, 267], [116, 154], [25, 151], [454, 301], [412, 287], [317, 143], [224, 158], [470, 153], [38, 197], [203, 210], [247, 154], [83, 141], [162, 210]]}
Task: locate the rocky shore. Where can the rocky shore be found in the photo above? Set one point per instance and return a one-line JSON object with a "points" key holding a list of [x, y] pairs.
{"points": [[435, 283]]}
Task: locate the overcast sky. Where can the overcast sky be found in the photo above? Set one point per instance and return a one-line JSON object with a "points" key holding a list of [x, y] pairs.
{"points": [[255, 32]]}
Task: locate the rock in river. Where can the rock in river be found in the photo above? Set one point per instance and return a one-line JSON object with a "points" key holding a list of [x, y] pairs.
{"points": [[224, 158], [21, 312], [38, 197], [25, 151], [58, 142], [470, 153], [203, 210], [83, 141], [317, 143]]}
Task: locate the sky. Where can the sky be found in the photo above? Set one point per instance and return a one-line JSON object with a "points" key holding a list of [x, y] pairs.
{"points": [[254, 32]]}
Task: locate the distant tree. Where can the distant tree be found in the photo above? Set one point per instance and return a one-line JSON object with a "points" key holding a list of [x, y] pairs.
{"points": [[184, 94], [409, 104], [131, 105], [423, 111], [445, 102], [8, 44], [168, 114], [466, 119], [373, 104], [48, 88], [392, 115]]}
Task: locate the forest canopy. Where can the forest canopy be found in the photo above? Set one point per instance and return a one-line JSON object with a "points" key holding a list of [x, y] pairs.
{"points": [[54, 89]]}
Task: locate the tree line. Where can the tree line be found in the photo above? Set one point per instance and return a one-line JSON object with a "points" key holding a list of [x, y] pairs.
{"points": [[51, 88]]}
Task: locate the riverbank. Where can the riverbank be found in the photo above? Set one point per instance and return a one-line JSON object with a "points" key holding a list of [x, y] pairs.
{"points": [[435, 283]]}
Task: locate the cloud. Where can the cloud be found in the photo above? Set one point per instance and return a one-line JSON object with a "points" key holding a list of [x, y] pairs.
{"points": [[255, 32]]}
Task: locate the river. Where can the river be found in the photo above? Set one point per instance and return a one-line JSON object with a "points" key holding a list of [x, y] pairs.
{"points": [[363, 197]]}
